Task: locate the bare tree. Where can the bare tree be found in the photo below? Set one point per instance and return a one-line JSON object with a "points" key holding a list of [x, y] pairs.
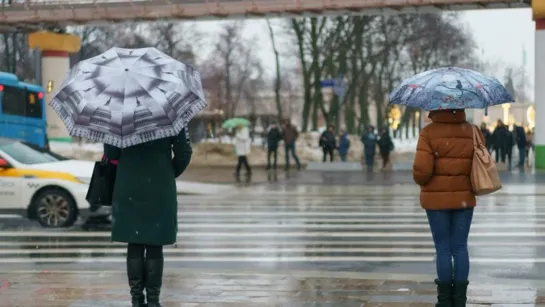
{"points": [[235, 59], [177, 39]]}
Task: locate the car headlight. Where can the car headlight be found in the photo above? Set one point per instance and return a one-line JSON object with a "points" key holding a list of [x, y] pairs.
{"points": [[85, 180]]}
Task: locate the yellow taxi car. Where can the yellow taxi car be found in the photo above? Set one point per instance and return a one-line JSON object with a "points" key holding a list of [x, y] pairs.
{"points": [[42, 187]]}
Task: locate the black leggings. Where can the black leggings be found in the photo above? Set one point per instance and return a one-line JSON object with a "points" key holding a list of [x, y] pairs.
{"points": [[136, 251]]}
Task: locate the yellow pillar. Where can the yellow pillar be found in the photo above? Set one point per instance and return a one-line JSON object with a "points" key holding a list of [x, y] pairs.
{"points": [[55, 49]]}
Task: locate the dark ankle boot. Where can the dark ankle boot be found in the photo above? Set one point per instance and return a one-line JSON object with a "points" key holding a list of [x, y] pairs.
{"points": [[459, 293], [135, 273], [154, 281], [444, 294]]}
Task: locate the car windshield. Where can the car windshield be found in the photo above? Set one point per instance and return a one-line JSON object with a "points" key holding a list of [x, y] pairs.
{"points": [[25, 154]]}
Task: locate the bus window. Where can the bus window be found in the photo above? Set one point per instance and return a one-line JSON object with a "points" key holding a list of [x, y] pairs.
{"points": [[19, 102], [12, 101]]}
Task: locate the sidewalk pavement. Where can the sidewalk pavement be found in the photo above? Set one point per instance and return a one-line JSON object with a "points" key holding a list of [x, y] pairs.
{"points": [[202, 188], [187, 288]]}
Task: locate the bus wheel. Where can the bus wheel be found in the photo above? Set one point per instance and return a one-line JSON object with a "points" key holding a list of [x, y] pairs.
{"points": [[55, 208]]}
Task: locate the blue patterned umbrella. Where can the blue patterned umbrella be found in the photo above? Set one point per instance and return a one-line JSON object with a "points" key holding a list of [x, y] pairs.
{"points": [[450, 88]]}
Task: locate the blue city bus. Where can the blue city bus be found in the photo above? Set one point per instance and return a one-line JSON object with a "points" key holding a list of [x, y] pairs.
{"points": [[22, 111]]}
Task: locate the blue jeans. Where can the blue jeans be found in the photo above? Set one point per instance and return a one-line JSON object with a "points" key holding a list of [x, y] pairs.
{"points": [[290, 147], [450, 229]]}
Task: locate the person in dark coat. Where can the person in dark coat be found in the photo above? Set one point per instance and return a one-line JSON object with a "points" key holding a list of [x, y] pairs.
{"points": [[521, 142], [499, 140], [510, 142], [385, 146], [145, 209], [369, 140], [328, 143], [344, 145], [274, 136], [487, 136]]}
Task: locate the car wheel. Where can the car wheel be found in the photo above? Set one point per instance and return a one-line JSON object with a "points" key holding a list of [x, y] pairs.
{"points": [[55, 208]]}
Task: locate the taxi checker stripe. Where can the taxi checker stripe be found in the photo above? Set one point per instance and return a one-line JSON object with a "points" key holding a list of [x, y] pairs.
{"points": [[33, 185]]}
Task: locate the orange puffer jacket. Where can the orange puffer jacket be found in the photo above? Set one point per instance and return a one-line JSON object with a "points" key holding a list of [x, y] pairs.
{"points": [[442, 165]]}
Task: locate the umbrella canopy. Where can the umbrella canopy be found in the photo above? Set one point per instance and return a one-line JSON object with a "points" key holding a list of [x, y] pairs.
{"points": [[450, 88], [235, 122], [125, 97]]}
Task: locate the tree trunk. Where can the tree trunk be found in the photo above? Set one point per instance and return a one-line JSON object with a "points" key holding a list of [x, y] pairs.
{"points": [[306, 75], [277, 80]]}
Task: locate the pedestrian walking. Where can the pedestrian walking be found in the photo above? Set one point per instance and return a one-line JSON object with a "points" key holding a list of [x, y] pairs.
{"points": [[521, 142], [243, 146], [385, 145], [138, 103], [274, 136], [344, 145], [442, 168], [369, 140], [290, 135], [328, 143], [487, 136], [529, 147], [500, 140]]}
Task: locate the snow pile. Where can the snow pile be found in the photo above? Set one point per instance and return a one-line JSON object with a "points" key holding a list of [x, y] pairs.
{"points": [[215, 152]]}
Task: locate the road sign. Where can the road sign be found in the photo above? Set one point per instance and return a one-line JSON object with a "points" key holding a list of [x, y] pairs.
{"points": [[327, 83], [339, 88]]}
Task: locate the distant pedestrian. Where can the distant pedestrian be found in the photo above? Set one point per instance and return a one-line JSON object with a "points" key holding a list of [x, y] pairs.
{"points": [[521, 142], [442, 168], [510, 142], [290, 135], [328, 143], [243, 145], [499, 140], [344, 145], [369, 140], [487, 136], [529, 147], [274, 136], [385, 146]]}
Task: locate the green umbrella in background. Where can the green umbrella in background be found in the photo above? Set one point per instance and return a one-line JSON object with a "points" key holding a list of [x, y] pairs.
{"points": [[235, 122]]}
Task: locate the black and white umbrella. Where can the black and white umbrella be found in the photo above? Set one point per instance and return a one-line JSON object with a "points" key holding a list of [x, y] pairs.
{"points": [[126, 97]]}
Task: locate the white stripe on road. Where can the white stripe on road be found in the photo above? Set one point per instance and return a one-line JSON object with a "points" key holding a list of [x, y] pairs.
{"points": [[11, 216], [392, 220], [171, 250], [339, 226], [274, 259], [194, 234], [272, 244], [347, 214]]}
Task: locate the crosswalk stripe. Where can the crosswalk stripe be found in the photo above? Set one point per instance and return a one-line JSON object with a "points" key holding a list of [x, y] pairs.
{"points": [[295, 227], [276, 244], [330, 226], [292, 234], [220, 259]]}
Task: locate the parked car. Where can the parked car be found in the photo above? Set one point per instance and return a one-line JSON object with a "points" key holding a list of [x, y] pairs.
{"points": [[43, 185]]}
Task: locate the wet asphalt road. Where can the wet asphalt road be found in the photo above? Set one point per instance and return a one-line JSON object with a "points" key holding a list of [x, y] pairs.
{"points": [[350, 228]]}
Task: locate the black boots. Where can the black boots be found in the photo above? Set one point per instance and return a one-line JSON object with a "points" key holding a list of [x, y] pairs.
{"points": [[444, 294], [451, 294], [154, 280], [135, 273], [459, 293]]}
